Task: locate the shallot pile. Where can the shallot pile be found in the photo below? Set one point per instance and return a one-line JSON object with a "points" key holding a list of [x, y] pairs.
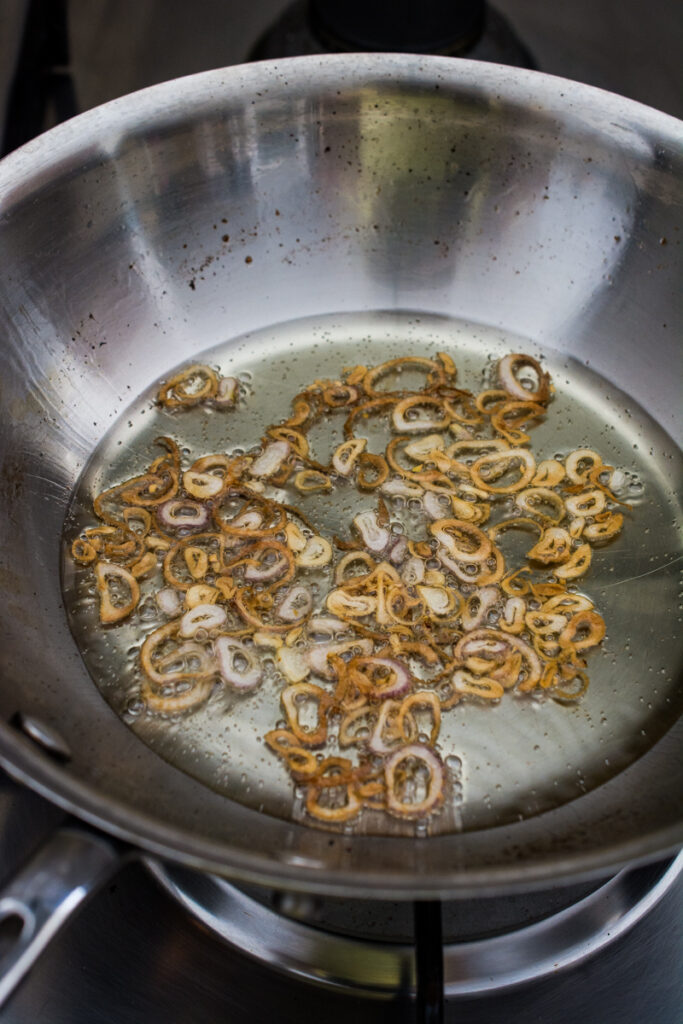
{"points": [[377, 634]]}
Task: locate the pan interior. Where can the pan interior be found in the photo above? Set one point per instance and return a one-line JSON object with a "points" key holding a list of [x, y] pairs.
{"points": [[506, 762]]}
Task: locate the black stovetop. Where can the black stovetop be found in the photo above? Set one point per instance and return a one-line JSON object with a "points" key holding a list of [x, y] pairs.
{"points": [[133, 956]]}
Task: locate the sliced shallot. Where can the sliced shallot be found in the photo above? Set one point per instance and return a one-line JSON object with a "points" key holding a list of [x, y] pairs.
{"points": [[374, 536], [238, 664], [408, 794], [271, 459], [115, 607], [318, 656], [183, 514], [202, 616], [478, 606], [296, 604]]}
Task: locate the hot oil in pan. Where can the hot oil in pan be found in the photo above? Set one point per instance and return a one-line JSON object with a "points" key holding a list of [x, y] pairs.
{"points": [[507, 761]]}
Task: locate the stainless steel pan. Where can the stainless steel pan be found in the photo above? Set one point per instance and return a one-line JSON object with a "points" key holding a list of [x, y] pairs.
{"points": [[506, 197]]}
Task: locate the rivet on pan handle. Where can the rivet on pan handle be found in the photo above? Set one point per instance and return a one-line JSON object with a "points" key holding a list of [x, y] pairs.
{"points": [[71, 865]]}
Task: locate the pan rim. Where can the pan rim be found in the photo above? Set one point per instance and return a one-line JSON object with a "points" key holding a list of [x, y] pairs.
{"points": [[114, 817], [519, 85]]}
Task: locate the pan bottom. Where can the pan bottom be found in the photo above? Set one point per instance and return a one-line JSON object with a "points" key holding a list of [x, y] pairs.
{"points": [[506, 763]]}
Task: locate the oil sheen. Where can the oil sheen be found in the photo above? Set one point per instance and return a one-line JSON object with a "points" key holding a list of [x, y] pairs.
{"points": [[504, 762]]}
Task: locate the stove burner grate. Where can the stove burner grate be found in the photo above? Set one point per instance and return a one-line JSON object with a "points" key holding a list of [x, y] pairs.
{"points": [[345, 957]]}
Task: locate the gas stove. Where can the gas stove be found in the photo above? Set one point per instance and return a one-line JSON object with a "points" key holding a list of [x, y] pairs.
{"points": [[163, 944]]}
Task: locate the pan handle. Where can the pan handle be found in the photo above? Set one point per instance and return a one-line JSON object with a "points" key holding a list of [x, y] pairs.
{"points": [[71, 865]]}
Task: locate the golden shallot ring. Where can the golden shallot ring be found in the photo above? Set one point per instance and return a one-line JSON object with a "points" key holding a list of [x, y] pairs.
{"points": [[243, 531], [352, 557], [206, 669], [290, 696], [488, 641], [448, 532], [367, 714], [173, 704], [437, 422], [420, 699], [332, 814], [377, 466], [573, 464], [176, 394], [500, 462], [346, 455], [487, 402], [585, 629], [294, 438], [301, 763], [338, 395], [588, 503], [482, 574], [577, 565], [435, 373], [553, 548], [549, 473], [179, 548], [109, 612], [477, 686], [531, 497], [435, 794], [604, 530], [514, 611], [311, 481], [83, 552], [505, 422], [508, 369]]}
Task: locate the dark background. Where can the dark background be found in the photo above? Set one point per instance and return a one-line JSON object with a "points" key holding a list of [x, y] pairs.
{"points": [[631, 47]]}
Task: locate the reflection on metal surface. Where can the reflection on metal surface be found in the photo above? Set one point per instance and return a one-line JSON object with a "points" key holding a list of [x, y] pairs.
{"points": [[372, 968], [115, 226], [42, 897], [44, 735]]}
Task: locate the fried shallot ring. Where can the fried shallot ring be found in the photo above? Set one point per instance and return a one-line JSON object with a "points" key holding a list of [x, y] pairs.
{"points": [[187, 699], [331, 813], [462, 540], [372, 471], [553, 548], [302, 763], [585, 629], [531, 498], [405, 721], [497, 463], [153, 663], [417, 424], [435, 373], [398, 767], [189, 387], [345, 456], [105, 572], [508, 376], [549, 473], [577, 565], [605, 529], [293, 697]]}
